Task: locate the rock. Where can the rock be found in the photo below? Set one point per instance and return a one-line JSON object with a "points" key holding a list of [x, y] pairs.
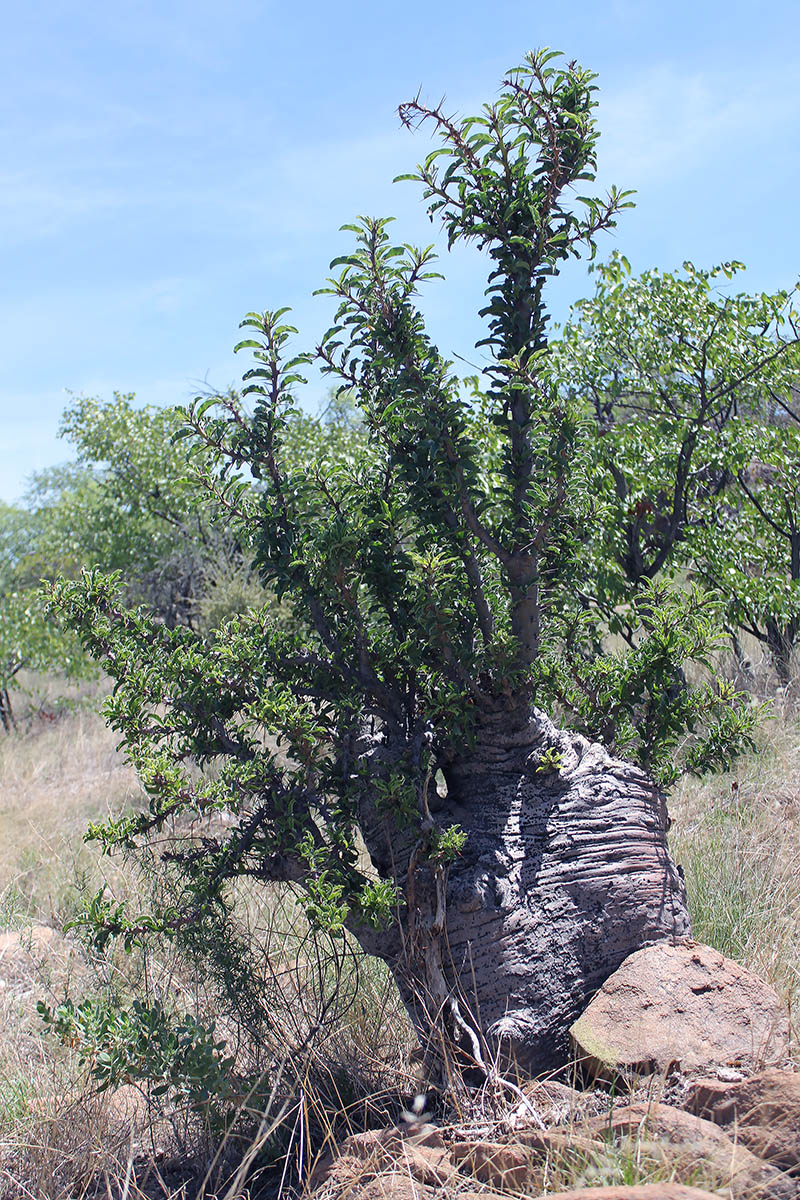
{"points": [[684, 1006], [730, 1074], [556, 1102], [550, 1091], [764, 1112], [350, 1178], [422, 1157], [560, 1143], [483, 1194], [686, 1140], [776, 1146], [394, 1185], [336, 1175], [498, 1164], [390, 1185], [646, 1191]]}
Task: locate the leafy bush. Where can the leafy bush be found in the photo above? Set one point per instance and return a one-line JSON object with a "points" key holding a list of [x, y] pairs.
{"points": [[177, 1058]]}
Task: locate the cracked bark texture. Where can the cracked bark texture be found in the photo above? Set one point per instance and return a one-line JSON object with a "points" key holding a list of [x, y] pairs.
{"points": [[565, 873]]}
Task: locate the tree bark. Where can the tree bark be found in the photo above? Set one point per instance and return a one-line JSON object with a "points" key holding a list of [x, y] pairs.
{"points": [[565, 873], [780, 640], [6, 711]]}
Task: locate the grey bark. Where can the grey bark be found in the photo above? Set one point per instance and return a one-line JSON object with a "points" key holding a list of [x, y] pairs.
{"points": [[565, 873]]}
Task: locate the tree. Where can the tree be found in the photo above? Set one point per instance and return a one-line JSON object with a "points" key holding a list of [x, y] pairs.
{"points": [[131, 503], [392, 760], [692, 469], [748, 547], [28, 639], [128, 504]]}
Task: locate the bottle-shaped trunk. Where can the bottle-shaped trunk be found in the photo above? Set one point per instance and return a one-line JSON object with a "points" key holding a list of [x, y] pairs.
{"points": [[565, 872]]}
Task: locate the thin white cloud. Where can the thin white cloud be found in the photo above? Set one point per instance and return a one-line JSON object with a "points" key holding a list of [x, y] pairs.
{"points": [[666, 122]]}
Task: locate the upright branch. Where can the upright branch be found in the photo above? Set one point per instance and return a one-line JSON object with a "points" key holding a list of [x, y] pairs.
{"points": [[505, 179]]}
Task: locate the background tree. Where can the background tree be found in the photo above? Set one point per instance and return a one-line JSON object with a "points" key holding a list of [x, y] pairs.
{"points": [[666, 361], [128, 504], [691, 471], [389, 756], [748, 547], [29, 638]]}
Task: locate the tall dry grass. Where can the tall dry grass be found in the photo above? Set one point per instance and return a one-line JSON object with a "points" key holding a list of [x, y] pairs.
{"points": [[57, 773], [348, 1061], [737, 836]]}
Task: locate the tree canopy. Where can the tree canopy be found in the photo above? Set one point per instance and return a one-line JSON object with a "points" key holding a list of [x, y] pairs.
{"points": [[429, 576], [388, 750], [694, 470]]}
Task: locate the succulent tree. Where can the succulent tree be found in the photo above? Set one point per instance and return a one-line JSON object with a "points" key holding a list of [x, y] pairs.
{"points": [[388, 752]]}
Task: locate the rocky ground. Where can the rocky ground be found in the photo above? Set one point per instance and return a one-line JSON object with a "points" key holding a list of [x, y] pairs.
{"points": [[686, 1075], [682, 1086], [698, 1092]]}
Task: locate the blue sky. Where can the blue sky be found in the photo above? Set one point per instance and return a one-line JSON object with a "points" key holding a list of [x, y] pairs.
{"points": [[167, 166]]}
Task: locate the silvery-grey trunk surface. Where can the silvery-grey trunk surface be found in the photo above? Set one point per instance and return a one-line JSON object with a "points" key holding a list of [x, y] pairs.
{"points": [[565, 873]]}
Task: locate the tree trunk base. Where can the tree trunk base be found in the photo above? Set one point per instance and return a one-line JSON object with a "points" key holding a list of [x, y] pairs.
{"points": [[566, 872]]}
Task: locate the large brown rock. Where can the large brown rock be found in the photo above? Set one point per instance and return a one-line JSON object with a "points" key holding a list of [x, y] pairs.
{"points": [[688, 1144], [763, 1111], [680, 1006]]}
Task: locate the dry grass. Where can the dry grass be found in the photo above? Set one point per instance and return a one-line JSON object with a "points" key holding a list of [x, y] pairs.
{"points": [[738, 839], [57, 773], [60, 771], [739, 846]]}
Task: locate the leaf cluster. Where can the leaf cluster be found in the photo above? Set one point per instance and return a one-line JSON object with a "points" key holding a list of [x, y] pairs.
{"points": [[694, 466], [178, 1057]]}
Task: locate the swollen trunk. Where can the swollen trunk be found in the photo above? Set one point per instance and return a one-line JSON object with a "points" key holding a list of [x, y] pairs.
{"points": [[565, 873]]}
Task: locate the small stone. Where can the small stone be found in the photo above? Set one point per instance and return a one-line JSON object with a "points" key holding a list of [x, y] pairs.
{"points": [[647, 1191], [729, 1075]]}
